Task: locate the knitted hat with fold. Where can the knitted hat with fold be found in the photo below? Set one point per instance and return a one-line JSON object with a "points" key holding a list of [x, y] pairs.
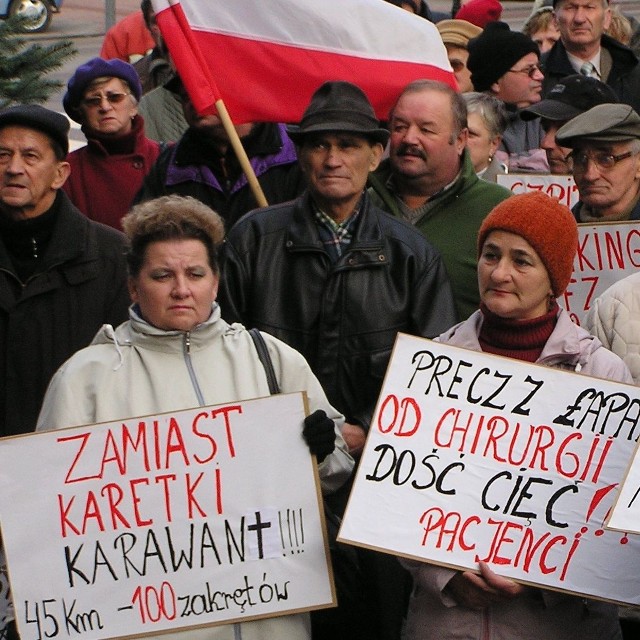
{"points": [[495, 51], [548, 226]]}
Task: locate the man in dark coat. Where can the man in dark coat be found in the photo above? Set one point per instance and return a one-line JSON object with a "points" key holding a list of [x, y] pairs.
{"points": [[584, 48], [61, 275], [337, 278], [203, 164]]}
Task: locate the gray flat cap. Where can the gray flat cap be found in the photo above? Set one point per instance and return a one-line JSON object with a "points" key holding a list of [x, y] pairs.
{"points": [[602, 123]]}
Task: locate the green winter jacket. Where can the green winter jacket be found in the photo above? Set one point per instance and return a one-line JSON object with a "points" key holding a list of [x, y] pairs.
{"points": [[451, 225]]}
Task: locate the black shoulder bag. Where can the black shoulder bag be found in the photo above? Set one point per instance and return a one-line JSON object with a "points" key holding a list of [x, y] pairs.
{"points": [[344, 559]]}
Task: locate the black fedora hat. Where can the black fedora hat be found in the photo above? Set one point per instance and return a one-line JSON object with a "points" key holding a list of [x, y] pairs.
{"points": [[339, 106]]}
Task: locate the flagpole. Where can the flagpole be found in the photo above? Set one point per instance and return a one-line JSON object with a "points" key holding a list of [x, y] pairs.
{"points": [[241, 154]]}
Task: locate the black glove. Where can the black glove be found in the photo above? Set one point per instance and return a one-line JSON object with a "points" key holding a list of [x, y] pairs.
{"points": [[319, 433]]}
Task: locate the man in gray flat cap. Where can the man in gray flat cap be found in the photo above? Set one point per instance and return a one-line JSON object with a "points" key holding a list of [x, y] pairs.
{"points": [[606, 162]]}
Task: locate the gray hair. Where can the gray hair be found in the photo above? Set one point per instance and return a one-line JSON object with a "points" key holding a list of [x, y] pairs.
{"points": [[490, 109]]}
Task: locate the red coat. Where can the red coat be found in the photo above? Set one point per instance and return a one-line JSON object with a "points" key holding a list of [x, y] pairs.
{"points": [[129, 39], [103, 184]]}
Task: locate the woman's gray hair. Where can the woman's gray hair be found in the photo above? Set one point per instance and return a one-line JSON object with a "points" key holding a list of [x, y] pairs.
{"points": [[171, 217], [490, 109]]}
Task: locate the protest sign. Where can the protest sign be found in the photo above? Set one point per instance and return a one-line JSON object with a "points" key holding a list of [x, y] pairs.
{"points": [[606, 253], [164, 522], [626, 510], [472, 456], [557, 186]]}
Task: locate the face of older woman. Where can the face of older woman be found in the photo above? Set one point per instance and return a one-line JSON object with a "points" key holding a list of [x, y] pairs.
{"points": [[176, 285], [513, 281], [480, 143], [108, 108]]}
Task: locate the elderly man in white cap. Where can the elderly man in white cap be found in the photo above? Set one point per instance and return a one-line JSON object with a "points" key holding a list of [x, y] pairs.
{"points": [[606, 162]]}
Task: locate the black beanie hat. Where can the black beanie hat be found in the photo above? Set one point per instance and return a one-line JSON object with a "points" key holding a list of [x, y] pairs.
{"points": [[495, 51]]}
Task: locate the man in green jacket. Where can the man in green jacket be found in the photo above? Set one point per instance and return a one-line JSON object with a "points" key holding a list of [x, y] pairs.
{"points": [[429, 181]]}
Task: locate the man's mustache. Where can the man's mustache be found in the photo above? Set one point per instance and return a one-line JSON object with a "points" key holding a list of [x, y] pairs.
{"points": [[410, 150]]}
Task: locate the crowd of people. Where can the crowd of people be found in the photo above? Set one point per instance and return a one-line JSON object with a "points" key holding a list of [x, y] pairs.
{"points": [[147, 252]]}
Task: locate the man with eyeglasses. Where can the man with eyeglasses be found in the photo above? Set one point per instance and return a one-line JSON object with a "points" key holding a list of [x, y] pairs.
{"points": [[504, 63], [585, 48], [606, 162], [102, 96]]}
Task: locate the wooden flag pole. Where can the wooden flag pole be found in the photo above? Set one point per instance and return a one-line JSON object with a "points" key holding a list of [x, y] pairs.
{"points": [[236, 143]]}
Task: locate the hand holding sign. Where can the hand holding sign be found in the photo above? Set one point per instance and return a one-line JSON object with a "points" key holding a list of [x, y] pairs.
{"points": [[480, 591]]}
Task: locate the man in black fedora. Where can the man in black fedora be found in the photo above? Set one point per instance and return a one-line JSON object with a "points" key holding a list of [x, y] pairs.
{"points": [[337, 278]]}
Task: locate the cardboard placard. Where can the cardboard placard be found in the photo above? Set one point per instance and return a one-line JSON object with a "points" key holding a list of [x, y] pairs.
{"points": [[625, 514], [474, 457], [164, 522], [561, 187], [606, 253]]}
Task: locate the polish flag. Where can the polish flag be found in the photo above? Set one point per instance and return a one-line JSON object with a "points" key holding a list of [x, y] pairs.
{"points": [[265, 58]]}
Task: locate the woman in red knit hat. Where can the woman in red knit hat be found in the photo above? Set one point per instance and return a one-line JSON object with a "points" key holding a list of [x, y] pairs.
{"points": [[526, 247]]}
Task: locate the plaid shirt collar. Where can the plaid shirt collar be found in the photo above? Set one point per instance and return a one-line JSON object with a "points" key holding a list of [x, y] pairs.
{"points": [[336, 236]]}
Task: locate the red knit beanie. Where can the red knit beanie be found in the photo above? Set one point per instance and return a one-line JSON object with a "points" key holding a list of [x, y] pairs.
{"points": [[480, 12], [548, 226]]}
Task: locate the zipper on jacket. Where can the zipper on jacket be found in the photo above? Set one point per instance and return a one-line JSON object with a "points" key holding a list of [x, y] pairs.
{"points": [[186, 350]]}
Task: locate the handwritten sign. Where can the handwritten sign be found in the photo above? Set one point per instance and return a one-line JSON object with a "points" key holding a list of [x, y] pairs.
{"points": [[476, 457], [557, 186], [164, 522], [606, 253], [626, 511]]}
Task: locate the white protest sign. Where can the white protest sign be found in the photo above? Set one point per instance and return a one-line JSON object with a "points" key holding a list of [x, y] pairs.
{"points": [[163, 522], [476, 457], [626, 510], [561, 187], [606, 253]]}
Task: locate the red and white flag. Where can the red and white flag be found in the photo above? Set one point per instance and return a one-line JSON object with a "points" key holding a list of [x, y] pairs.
{"points": [[265, 58]]}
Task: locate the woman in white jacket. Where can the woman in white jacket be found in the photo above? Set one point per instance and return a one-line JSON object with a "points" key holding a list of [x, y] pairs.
{"points": [[526, 248], [176, 352]]}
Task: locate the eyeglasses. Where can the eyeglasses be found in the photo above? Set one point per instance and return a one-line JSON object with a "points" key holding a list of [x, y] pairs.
{"points": [[111, 98], [601, 159], [528, 71]]}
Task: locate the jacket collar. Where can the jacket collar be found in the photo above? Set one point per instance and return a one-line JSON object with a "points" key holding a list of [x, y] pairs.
{"points": [[267, 146], [103, 146], [556, 59], [68, 239], [562, 349], [378, 183], [137, 332], [302, 234]]}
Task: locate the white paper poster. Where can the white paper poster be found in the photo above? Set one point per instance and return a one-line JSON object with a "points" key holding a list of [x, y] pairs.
{"points": [[163, 522]]}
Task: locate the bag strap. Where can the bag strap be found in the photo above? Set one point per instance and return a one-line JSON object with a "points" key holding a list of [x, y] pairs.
{"points": [[265, 358]]}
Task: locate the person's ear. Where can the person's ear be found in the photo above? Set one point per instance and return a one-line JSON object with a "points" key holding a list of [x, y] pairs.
{"points": [[63, 171], [376, 156], [133, 289]]}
